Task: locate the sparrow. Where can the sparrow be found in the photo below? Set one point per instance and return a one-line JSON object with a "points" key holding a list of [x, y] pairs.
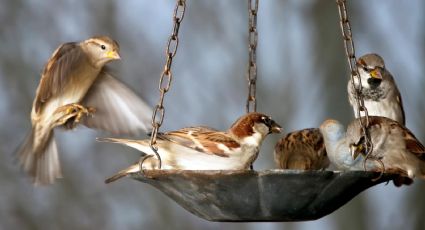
{"points": [[303, 149], [395, 149], [76, 87], [380, 93], [204, 148]]}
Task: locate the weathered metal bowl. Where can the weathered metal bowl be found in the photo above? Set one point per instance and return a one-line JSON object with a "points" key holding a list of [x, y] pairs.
{"points": [[270, 195]]}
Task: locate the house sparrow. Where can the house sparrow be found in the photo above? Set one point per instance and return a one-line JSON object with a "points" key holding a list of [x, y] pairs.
{"points": [[380, 92], [395, 148], [75, 75], [303, 149], [203, 148]]}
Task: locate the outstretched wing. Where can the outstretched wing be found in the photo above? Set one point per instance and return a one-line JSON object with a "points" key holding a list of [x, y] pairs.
{"points": [[118, 109], [56, 72]]}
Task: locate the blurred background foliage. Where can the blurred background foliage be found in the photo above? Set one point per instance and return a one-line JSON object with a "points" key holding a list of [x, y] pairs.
{"points": [[302, 81]]}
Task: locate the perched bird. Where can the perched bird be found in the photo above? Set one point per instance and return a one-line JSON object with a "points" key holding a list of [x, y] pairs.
{"points": [[203, 148], [395, 148], [303, 149], [76, 87], [380, 92]]}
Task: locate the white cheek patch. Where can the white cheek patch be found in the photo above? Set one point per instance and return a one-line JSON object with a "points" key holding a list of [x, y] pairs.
{"points": [[260, 131]]}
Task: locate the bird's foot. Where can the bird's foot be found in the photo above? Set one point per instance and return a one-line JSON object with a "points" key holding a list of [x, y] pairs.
{"points": [[71, 114]]}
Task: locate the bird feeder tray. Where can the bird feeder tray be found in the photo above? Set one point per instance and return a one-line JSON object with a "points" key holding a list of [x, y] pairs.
{"points": [[270, 195]]}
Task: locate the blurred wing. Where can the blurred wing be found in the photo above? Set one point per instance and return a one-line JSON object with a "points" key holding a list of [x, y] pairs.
{"points": [[202, 139], [118, 109], [56, 72]]}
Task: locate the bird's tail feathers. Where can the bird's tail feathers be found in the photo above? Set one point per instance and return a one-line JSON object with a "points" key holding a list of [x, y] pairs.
{"points": [[402, 180], [132, 169], [24, 153], [110, 140], [137, 144], [38, 156]]}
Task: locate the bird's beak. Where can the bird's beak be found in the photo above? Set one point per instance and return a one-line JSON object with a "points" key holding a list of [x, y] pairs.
{"points": [[275, 128], [355, 150], [376, 73], [113, 55]]}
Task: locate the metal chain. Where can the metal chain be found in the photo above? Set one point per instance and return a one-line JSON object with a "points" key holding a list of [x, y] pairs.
{"points": [[251, 103], [351, 58], [166, 76]]}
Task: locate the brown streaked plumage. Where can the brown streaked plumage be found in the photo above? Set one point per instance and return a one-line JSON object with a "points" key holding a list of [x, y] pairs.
{"points": [[385, 132], [74, 75], [203, 148], [393, 144], [302, 149], [192, 137], [388, 128]]}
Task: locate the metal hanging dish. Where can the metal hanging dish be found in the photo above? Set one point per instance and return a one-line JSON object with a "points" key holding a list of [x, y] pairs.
{"points": [[270, 195], [247, 195]]}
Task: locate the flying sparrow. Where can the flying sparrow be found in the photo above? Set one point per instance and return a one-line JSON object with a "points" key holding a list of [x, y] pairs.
{"points": [[203, 148], [380, 92], [76, 87], [303, 149], [395, 148]]}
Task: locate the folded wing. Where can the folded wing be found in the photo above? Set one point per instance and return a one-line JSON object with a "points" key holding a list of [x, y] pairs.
{"points": [[203, 139]]}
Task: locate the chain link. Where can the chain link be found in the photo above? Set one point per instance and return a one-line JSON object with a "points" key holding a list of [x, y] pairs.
{"points": [[166, 76], [354, 74], [251, 103]]}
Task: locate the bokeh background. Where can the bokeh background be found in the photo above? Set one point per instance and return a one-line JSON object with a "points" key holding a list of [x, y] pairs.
{"points": [[302, 81]]}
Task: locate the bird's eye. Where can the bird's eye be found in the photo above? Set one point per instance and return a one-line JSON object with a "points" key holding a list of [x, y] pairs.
{"points": [[103, 47], [366, 69], [267, 121]]}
